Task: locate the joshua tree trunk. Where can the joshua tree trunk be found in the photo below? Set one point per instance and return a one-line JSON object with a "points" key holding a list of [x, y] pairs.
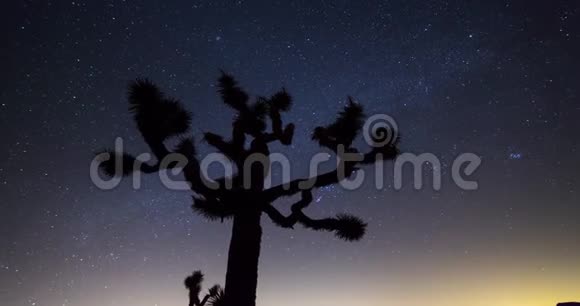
{"points": [[242, 271]]}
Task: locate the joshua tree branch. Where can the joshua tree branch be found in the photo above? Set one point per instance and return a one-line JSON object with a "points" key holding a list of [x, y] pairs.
{"points": [[278, 103], [295, 217], [278, 218], [270, 137], [191, 171], [290, 188], [219, 143], [234, 150], [344, 170], [238, 136], [284, 136], [276, 122], [129, 164], [204, 300], [213, 208], [157, 147], [288, 222], [345, 226]]}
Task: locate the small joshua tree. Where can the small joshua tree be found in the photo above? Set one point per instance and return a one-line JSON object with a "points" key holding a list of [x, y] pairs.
{"points": [[244, 197], [214, 297]]}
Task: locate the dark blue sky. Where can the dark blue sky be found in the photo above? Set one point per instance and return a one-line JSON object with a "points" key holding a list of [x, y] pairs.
{"points": [[496, 78]]}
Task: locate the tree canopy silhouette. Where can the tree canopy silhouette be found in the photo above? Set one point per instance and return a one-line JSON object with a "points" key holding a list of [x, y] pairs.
{"points": [[244, 201]]}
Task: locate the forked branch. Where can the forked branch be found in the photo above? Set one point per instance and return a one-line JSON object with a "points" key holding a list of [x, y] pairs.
{"points": [[346, 227]]}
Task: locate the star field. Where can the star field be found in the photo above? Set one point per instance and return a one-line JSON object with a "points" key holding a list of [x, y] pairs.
{"points": [[495, 78]]}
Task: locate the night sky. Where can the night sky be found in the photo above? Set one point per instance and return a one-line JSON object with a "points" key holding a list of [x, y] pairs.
{"points": [[496, 78]]}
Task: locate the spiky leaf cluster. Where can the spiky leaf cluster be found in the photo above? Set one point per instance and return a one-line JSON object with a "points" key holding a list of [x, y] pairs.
{"points": [[193, 283], [349, 227], [344, 129], [157, 116], [217, 296]]}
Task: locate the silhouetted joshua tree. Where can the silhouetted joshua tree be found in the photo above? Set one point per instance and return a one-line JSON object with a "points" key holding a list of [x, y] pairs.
{"points": [[244, 196], [214, 297]]}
